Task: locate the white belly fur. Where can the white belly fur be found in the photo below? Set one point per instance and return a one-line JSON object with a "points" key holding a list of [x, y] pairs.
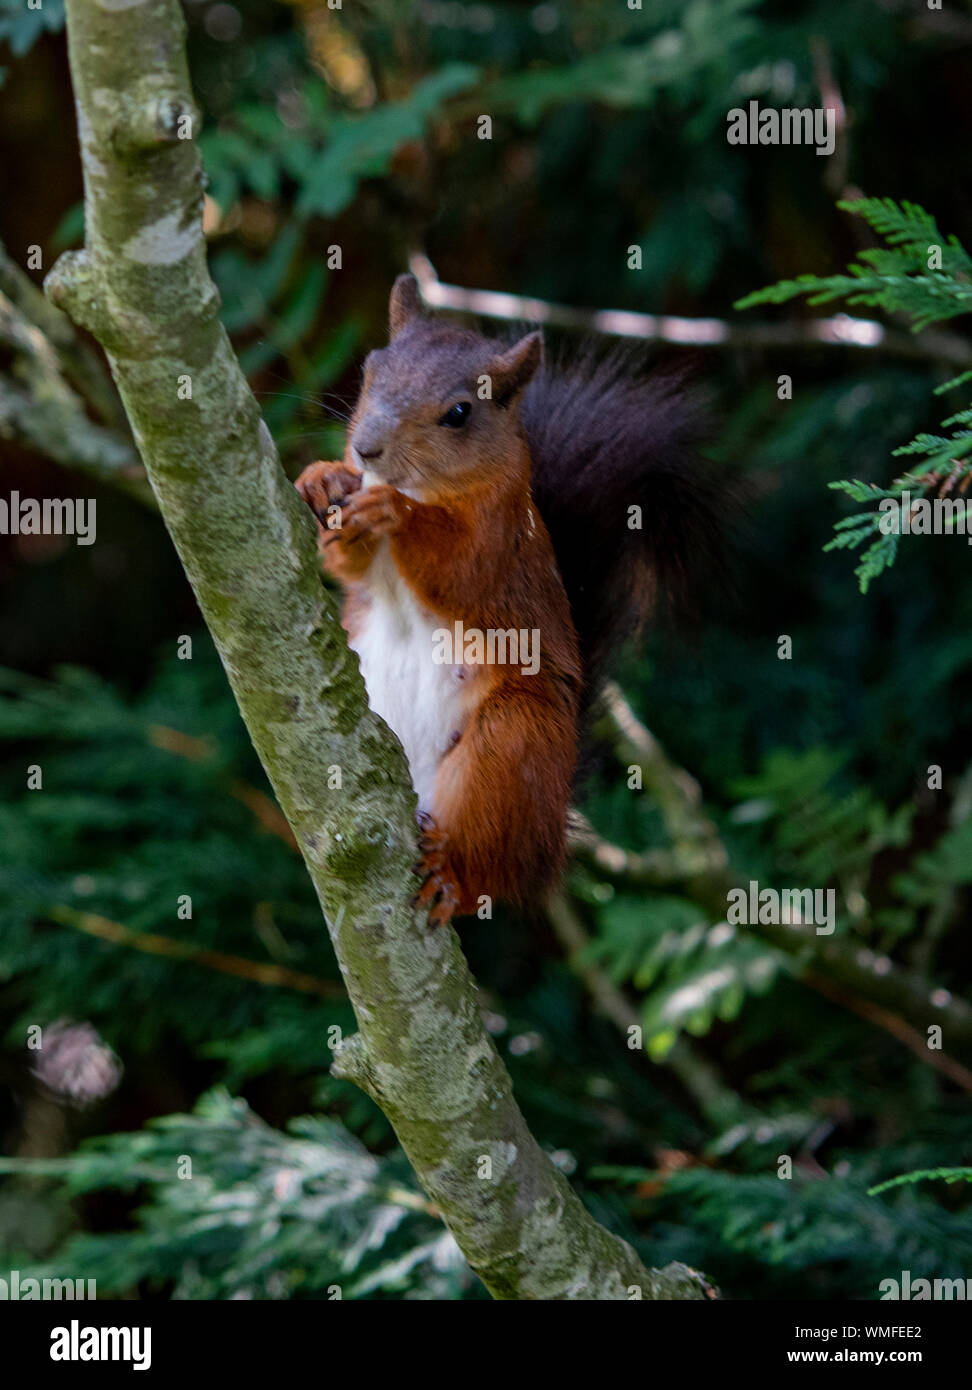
{"points": [[418, 698]]}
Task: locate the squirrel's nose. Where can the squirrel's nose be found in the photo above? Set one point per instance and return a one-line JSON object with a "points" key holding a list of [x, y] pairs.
{"points": [[368, 441]]}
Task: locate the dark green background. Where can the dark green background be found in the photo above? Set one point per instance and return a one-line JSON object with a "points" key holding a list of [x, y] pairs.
{"points": [[358, 128]]}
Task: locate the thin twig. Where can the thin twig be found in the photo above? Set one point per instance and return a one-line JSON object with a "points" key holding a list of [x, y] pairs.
{"points": [[857, 970], [261, 973], [841, 330], [267, 812], [894, 1025], [716, 1101]]}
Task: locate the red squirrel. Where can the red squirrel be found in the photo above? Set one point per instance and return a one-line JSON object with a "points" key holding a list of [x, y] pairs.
{"points": [[486, 504]]}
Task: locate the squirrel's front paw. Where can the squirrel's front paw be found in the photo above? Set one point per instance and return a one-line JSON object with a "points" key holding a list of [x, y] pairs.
{"points": [[376, 511], [326, 486]]}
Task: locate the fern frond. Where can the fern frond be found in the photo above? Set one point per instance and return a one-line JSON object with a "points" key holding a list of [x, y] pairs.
{"points": [[923, 1175], [920, 272]]}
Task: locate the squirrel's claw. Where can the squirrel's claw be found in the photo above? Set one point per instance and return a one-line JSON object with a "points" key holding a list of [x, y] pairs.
{"points": [[376, 512], [440, 894], [327, 484], [440, 890]]}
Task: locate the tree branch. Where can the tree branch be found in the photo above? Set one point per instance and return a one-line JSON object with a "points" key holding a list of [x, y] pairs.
{"points": [[247, 544], [41, 409], [79, 362]]}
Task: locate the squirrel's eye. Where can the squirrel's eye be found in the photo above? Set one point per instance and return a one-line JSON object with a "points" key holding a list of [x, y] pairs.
{"points": [[457, 415]]}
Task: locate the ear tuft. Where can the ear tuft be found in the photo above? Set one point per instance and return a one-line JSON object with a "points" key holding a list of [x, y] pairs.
{"points": [[511, 372], [403, 305]]}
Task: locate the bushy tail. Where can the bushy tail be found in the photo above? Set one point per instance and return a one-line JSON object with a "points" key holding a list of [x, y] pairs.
{"points": [[606, 439]]}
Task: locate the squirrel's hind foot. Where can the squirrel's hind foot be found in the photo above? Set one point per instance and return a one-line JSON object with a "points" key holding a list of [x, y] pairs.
{"points": [[441, 891]]}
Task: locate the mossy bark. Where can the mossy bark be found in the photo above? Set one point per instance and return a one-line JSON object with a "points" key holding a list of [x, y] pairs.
{"points": [[247, 543]]}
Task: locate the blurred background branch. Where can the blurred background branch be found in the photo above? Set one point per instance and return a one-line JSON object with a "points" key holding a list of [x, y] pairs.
{"points": [[842, 330]]}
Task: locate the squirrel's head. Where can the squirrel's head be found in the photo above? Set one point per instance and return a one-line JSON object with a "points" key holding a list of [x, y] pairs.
{"points": [[439, 406]]}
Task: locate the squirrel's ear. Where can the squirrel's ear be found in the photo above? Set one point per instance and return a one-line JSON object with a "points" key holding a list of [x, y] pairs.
{"points": [[404, 304], [511, 372]]}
